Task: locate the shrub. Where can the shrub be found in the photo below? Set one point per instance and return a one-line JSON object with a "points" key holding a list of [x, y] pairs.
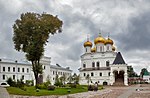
{"points": [[11, 82], [29, 83], [90, 88], [20, 83], [51, 87], [43, 85], [73, 85], [68, 90]]}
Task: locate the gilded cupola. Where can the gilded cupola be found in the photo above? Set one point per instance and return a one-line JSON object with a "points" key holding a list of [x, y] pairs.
{"points": [[99, 39]]}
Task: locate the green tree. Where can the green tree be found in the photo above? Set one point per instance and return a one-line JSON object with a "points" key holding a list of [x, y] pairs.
{"points": [[76, 78], [88, 78], [70, 79], [31, 33], [131, 72], [63, 78]]}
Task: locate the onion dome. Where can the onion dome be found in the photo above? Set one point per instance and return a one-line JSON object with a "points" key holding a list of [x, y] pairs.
{"points": [[93, 49], [113, 48], [88, 43], [99, 39], [109, 41]]}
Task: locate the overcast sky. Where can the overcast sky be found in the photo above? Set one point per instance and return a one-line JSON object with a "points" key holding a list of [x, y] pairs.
{"points": [[127, 21]]}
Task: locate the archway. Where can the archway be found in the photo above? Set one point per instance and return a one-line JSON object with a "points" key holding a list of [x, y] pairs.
{"points": [[119, 77]]}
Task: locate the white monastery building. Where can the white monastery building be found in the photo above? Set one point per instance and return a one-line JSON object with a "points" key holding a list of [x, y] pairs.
{"points": [[23, 69], [102, 63]]}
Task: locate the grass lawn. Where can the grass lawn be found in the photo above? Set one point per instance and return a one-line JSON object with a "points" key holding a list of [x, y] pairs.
{"points": [[31, 91]]}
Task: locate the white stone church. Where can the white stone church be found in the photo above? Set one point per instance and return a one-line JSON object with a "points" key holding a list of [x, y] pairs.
{"points": [[103, 63]]}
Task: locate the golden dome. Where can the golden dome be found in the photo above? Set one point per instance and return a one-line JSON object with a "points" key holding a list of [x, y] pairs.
{"points": [[99, 39], [113, 48], [93, 49], [87, 43], [109, 41]]}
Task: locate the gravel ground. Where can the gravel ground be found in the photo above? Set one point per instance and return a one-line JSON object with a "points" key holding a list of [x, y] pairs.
{"points": [[113, 94], [140, 95]]}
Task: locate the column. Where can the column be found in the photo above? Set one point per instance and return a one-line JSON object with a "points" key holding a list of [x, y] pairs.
{"points": [[111, 78], [126, 79]]}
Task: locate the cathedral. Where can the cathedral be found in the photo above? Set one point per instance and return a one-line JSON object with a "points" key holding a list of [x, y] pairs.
{"points": [[102, 64]]}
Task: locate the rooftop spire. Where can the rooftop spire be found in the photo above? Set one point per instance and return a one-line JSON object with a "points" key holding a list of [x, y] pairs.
{"points": [[100, 33], [88, 37], [108, 34]]}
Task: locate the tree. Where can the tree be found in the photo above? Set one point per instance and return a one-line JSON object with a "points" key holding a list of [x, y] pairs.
{"points": [[63, 79], [31, 33], [88, 78], [131, 72], [76, 78], [70, 79]]}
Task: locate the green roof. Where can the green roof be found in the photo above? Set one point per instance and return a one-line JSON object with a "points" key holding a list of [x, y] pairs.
{"points": [[146, 73]]}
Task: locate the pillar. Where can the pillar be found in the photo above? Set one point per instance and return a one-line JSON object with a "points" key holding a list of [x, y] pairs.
{"points": [[126, 79]]}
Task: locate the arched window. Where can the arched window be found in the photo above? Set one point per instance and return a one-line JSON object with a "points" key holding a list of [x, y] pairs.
{"points": [[84, 74], [100, 74], [107, 47], [85, 49], [101, 49], [92, 74], [98, 64], [107, 63], [84, 65], [109, 74], [93, 64]]}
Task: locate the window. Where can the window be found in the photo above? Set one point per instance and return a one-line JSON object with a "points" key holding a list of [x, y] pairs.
{"points": [[107, 63], [27, 70], [53, 72], [107, 47], [44, 67], [18, 69], [92, 74], [100, 48], [8, 69], [100, 74], [84, 65], [22, 77], [85, 49], [3, 77], [84, 74], [93, 64], [13, 69], [14, 77], [109, 74], [22, 69], [4, 69], [97, 64]]}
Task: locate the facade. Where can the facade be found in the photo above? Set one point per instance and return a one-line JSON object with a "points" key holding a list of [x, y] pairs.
{"points": [[60, 71], [23, 69], [102, 63]]}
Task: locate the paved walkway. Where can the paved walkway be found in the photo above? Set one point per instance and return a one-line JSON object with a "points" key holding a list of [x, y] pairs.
{"points": [[129, 91], [4, 93]]}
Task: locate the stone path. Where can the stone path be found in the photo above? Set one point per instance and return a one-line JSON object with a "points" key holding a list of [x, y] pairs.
{"points": [[4, 93], [88, 94], [129, 91]]}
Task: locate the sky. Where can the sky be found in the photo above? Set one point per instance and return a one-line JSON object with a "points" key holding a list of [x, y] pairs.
{"points": [[127, 22]]}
